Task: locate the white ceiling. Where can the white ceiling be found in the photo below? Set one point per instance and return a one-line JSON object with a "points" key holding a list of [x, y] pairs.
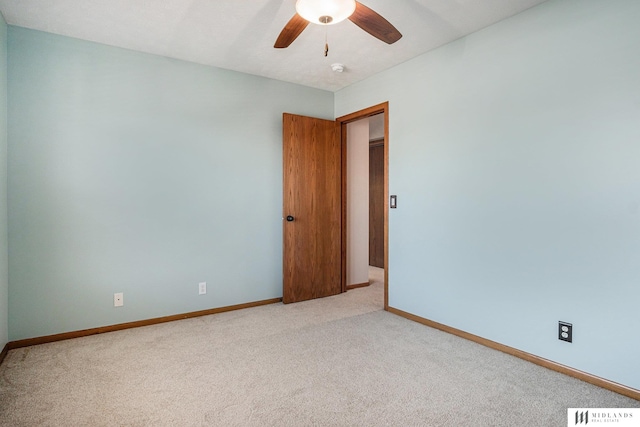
{"points": [[239, 34]]}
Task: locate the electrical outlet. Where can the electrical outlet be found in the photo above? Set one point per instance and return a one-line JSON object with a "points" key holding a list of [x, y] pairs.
{"points": [[118, 299], [202, 288], [565, 331]]}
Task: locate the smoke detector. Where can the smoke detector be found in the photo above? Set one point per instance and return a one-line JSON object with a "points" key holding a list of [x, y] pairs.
{"points": [[337, 67]]}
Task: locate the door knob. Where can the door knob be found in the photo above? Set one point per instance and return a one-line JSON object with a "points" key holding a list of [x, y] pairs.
{"points": [[290, 218]]}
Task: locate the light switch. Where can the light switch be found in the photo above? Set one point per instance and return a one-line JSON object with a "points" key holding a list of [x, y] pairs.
{"points": [[393, 202]]}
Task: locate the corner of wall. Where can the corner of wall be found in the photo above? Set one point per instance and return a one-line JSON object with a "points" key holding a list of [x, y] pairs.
{"points": [[4, 276]]}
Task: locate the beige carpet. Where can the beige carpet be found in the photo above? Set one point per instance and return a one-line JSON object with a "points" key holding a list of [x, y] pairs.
{"points": [[338, 361]]}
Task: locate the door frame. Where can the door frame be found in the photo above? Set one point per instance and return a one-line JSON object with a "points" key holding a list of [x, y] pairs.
{"points": [[343, 121]]}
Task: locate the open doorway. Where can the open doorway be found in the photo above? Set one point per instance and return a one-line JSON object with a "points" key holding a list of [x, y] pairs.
{"points": [[365, 195], [376, 199], [376, 191]]}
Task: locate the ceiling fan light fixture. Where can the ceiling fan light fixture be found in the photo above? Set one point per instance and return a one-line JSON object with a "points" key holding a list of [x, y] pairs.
{"points": [[325, 12]]}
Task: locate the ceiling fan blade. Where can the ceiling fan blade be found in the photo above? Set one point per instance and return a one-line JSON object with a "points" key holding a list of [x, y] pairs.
{"points": [[374, 24], [291, 31]]}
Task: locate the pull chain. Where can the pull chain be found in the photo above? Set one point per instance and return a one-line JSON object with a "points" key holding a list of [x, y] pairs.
{"points": [[326, 43]]}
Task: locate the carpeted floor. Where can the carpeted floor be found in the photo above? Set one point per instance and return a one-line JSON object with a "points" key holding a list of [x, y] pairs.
{"points": [[338, 361]]}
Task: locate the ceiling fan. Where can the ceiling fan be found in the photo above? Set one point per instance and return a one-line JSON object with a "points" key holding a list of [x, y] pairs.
{"points": [[329, 12]]}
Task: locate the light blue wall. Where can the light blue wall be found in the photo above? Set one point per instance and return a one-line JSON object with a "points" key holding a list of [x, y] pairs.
{"points": [[515, 155], [140, 174], [4, 275]]}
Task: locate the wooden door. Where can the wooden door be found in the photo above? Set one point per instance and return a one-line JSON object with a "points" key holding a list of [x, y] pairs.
{"points": [[312, 209], [376, 204]]}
